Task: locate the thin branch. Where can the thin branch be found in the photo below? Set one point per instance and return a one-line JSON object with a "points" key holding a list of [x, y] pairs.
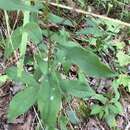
{"points": [[89, 13], [9, 31], [15, 22], [39, 120]]}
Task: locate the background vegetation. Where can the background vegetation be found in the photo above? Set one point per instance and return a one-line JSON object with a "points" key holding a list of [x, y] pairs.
{"points": [[65, 64]]}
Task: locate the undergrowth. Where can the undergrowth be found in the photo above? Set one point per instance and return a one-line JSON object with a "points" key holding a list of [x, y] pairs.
{"points": [[54, 46]]}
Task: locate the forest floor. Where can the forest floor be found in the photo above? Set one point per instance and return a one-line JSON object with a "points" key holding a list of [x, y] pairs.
{"points": [[107, 51]]}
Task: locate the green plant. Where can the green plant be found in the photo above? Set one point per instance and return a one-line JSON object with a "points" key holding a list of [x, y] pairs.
{"points": [[53, 55], [110, 106]]}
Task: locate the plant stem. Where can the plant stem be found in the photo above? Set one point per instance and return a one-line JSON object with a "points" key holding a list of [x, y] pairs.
{"points": [[49, 42], [79, 11], [23, 44], [8, 28]]}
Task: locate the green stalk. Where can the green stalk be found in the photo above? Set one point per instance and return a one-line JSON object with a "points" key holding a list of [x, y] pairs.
{"points": [[8, 28], [24, 41]]}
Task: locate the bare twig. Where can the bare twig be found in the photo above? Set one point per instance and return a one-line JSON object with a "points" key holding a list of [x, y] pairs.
{"points": [[89, 13], [39, 120], [16, 20]]}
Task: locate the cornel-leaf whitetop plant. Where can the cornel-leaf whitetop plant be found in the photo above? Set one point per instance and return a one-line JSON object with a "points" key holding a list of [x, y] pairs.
{"points": [[45, 86]]}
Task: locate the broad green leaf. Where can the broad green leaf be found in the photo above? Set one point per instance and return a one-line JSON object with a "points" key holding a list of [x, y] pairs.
{"points": [[21, 102], [106, 111], [101, 114], [96, 109], [111, 121], [42, 65], [124, 80], [49, 101], [26, 78], [61, 37], [113, 27], [93, 22], [3, 78], [12, 73], [77, 88], [15, 5], [63, 122], [120, 45], [87, 62], [34, 32], [16, 40], [100, 98], [116, 108], [45, 33], [84, 58], [94, 28], [29, 79], [118, 105], [59, 20], [123, 58], [90, 30]]}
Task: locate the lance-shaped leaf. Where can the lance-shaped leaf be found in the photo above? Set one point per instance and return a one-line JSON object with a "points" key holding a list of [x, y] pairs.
{"points": [[84, 58], [21, 102], [91, 30], [15, 5], [77, 88], [3, 79], [87, 61], [26, 78], [16, 39], [49, 101], [34, 32], [59, 20]]}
